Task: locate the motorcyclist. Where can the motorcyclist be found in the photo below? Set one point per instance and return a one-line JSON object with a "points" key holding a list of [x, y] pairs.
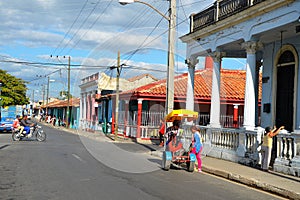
{"points": [[27, 124]]}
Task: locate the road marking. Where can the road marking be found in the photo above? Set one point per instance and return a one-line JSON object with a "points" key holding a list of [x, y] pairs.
{"points": [[78, 158]]}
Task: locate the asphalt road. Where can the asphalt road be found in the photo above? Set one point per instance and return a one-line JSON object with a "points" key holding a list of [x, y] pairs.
{"points": [[63, 168]]}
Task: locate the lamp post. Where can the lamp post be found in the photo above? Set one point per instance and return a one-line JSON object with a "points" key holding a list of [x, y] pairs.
{"points": [[171, 48]]}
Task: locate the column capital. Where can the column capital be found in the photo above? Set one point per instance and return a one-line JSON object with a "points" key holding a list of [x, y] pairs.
{"points": [[252, 46], [192, 61], [236, 106], [140, 101], [217, 56]]}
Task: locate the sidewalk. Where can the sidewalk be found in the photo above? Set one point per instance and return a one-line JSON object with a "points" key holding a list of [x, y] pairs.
{"points": [[275, 183]]}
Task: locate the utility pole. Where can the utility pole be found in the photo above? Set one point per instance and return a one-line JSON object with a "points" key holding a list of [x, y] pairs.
{"points": [[171, 60], [171, 48], [43, 94], [68, 107], [47, 96], [117, 96]]}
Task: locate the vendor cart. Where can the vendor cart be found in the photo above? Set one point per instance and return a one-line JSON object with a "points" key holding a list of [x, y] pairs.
{"points": [[178, 142]]}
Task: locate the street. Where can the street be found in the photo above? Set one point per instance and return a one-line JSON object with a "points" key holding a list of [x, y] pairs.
{"points": [[64, 167]]}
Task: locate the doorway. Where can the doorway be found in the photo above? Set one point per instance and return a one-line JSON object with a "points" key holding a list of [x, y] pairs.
{"points": [[285, 91]]}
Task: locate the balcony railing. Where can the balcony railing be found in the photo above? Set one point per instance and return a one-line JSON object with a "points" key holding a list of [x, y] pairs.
{"points": [[219, 11]]}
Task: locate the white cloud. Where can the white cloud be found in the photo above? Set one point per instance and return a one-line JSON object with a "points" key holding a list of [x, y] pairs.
{"points": [[32, 30]]}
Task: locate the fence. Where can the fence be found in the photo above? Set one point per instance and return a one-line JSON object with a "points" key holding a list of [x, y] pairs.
{"points": [[150, 122], [237, 145]]}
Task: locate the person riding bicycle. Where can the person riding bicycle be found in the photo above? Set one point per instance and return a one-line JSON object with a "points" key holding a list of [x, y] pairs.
{"points": [[27, 124]]}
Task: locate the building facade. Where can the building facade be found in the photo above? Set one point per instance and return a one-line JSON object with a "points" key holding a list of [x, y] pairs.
{"points": [[266, 33], [95, 104]]}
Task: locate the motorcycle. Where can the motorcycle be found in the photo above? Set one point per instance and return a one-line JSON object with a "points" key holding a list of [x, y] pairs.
{"points": [[35, 132]]}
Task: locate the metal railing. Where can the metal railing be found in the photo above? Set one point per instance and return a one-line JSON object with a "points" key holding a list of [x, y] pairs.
{"points": [[219, 11]]}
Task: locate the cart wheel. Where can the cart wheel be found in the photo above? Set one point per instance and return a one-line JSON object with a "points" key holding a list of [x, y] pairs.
{"points": [[165, 163], [190, 166]]}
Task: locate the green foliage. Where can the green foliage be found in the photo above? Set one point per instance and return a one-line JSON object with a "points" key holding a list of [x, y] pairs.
{"points": [[13, 90], [64, 95]]}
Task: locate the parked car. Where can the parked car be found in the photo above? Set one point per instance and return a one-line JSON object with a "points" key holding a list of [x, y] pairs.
{"points": [[6, 124]]}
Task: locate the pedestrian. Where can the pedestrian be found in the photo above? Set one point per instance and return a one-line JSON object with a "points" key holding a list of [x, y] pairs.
{"points": [[53, 120], [161, 133], [266, 146], [48, 119], [59, 121], [196, 146]]}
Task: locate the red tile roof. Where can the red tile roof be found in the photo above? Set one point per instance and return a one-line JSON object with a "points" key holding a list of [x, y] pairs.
{"points": [[74, 102], [232, 86], [132, 79]]}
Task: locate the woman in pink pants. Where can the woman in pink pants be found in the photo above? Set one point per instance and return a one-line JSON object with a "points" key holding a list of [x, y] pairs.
{"points": [[197, 146]]}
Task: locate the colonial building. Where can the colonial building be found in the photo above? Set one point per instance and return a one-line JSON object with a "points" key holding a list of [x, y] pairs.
{"points": [[266, 33], [143, 107], [95, 106], [58, 108]]}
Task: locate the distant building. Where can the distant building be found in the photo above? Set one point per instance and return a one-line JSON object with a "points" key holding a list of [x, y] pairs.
{"points": [[95, 107]]}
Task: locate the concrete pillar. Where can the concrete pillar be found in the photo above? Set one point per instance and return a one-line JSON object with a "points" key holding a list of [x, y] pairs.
{"points": [[126, 132], [93, 111], [236, 115], [84, 110], [81, 111], [190, 83], [88, 107], [250, 94], [139, 119], [215, 93]]}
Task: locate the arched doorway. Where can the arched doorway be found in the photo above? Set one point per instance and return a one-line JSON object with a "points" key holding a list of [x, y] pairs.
{"points": [[285, 90]]}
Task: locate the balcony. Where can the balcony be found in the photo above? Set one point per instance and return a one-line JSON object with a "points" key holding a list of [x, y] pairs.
{"points": [[234, 11]]}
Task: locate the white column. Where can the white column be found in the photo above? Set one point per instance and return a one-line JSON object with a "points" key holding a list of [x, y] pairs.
{"points": [[250, 95], [215, 93], [84, 108], [190, 83], [81, 111]]}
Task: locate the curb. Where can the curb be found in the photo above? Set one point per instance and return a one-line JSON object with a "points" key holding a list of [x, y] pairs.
{"points": [[252, 183], [244, 180]]}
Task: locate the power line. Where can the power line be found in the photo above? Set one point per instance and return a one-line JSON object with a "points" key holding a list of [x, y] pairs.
{"points": [[130, 56], [71, 25], [90, 26], [135, 21], [42, 64], [85, 20]]}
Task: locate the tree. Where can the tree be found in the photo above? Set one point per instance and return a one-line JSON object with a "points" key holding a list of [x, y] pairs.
{"points": [[64, 95], [13, 90]]}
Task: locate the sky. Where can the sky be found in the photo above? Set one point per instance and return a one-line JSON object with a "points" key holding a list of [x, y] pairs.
{"points": [[90, 32]]}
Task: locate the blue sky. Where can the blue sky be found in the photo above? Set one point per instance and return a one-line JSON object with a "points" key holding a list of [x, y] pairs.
{"points": [[91, 32]]}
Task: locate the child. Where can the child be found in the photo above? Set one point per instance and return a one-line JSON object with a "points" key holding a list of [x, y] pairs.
{"points": [[197, 146], [17, 125]]}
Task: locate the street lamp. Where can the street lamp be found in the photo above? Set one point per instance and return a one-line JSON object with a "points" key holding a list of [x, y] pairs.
{"points": [[171, 48]]}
